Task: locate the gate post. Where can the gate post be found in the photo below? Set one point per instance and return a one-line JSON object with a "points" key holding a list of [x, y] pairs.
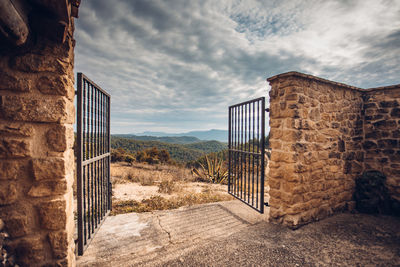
{"points": [[36, 151]]}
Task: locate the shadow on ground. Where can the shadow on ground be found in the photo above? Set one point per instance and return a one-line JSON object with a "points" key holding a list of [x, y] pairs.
{"points": [[226, 234]]}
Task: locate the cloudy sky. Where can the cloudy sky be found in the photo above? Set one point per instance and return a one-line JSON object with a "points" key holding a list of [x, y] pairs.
{"points": [[176, 65]]}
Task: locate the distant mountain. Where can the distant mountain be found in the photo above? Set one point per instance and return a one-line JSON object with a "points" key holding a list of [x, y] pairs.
{"points": [[165, 139], [218, 135]]}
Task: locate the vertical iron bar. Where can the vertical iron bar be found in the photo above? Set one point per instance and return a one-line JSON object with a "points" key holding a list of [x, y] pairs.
{"points": [[79, 167], [258, 146], [247, 154], [241, 154], [109, 158], [262, 154], [244, 149], [253, 157], [229, 148]]}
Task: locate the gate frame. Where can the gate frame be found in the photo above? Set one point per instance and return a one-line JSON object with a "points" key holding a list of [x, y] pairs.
{"points": [[262, 154], [84, 242]]}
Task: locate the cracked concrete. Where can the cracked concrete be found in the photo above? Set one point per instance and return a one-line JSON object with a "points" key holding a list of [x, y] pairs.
{"points": [[231, 234], [168, 233]]}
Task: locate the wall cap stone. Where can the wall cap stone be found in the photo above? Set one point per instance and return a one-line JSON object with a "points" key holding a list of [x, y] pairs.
{"points": [[315, 78]]}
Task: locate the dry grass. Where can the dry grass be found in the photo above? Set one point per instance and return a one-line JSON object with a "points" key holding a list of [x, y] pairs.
{"points": [[146, 174], [161, 203], [142, 187]]}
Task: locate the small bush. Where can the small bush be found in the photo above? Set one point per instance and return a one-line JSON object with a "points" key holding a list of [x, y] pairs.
{"points": [[166, 187]]}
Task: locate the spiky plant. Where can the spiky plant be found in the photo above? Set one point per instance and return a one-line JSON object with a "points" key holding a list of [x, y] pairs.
{"points": [[213, 172]]}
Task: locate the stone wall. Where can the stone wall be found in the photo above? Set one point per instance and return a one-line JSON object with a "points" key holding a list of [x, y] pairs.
{"points": [[36, 151], [317, 140], [382, 134]]}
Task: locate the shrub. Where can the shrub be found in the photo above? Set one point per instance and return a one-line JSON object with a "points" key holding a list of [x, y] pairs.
{"points": [[129, 159], [166, 187], [213, 171]]}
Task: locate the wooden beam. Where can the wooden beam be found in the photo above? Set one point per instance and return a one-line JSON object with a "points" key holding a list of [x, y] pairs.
{"points": [[12, 24]]}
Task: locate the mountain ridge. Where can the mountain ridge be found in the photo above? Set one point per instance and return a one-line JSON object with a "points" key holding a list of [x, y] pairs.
{"points": [[207, 135]]}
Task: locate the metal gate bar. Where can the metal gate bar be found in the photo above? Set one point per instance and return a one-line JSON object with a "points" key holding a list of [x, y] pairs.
{"points": [[246, 140], [93, 159]]}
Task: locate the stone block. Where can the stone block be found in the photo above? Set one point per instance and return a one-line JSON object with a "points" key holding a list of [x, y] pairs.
{"points": [[30, 250], [49, 168], [388, 104], [283, 157], [56, 85], [385, 125], [59, 244], [17, 225], [53, 214], [9, 81], [48, 188], [8, 193], [274, 183], [395, 113], [276, 213], [16, 129], [35, 109], [59, 138], [291, 136], [369, 145], [12, 147], [13, 169], [39, 63], [322, 212]]}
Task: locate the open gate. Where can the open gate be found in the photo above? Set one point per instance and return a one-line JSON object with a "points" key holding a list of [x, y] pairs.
{"points": [[246, 152], [93, 159]]}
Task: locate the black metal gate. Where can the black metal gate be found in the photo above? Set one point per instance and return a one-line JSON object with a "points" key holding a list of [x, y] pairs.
{"points": [[93, 159], [246, 152]]}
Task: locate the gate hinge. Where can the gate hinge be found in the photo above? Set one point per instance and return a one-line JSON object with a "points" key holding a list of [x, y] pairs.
{"points": [[266, 204], [267, 109]]}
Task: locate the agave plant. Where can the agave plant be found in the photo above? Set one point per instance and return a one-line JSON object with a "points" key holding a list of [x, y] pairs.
{"points": [[213, 172]]}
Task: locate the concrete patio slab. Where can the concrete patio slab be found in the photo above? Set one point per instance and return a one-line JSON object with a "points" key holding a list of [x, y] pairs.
{"points": [[231, 234]]}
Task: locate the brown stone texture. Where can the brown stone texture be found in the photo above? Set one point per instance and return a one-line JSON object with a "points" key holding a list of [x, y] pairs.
{"points": [[59, 138], [382, 135], [36, 139], [37, 109], [14, 169], [49, 168], [8, 193], [320, 134], [48, 188], [12, 83], [13, 147], [59, 243], [52, 214]]}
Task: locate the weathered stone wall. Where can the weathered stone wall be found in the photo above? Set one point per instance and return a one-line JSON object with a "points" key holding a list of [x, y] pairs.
{"points": [[36, 156], [382, 134], [315, 136]]}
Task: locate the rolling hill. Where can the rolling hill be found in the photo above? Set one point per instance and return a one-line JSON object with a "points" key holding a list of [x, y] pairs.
{"points": [[178, 152], [218, 135]]}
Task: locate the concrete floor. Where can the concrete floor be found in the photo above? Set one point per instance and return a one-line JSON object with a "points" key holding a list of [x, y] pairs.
{"points": [[231, 234]]}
